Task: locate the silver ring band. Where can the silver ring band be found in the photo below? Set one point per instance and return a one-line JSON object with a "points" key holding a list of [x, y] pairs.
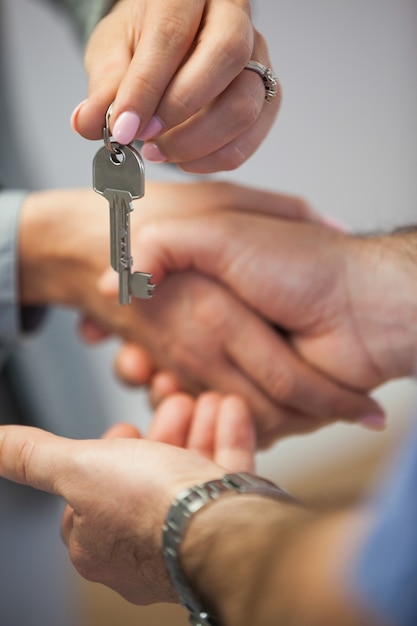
{"points": [[269, 79]]}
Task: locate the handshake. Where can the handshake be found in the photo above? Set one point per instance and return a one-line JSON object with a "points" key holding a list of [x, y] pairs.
{"points": [[270, 304]]}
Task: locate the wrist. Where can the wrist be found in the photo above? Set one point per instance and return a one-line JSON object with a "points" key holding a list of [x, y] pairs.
{"points": [[183, 510], [383, 297], [38, 239], [57, 233]]}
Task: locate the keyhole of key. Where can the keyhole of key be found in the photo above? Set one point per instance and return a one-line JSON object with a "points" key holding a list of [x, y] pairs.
{"points": [[117, 157]]}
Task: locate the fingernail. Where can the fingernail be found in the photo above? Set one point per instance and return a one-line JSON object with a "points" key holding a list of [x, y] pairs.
{"points": [[335, 224], [374, 421], [126, 127], [74, 115], [152, 128], [151, 152]]}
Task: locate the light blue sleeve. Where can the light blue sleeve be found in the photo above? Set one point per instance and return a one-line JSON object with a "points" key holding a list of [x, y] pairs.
{"points": [[385, 576], [10, 203], [15, 321]]}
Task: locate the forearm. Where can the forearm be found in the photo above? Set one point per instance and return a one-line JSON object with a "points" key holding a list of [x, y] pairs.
{"points": [[255, 561]]}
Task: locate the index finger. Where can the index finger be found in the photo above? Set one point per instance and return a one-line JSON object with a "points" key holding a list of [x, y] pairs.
{"points": [[166, 36]]}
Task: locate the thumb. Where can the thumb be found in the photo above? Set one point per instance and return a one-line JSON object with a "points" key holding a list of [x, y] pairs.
{"points": [[34, 457], [108, 283], [133, 365]]}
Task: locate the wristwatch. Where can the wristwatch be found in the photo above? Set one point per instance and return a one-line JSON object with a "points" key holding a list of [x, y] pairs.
{"points": [[186, 504]]}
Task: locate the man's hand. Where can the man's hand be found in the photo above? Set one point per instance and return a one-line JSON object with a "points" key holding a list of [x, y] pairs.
{"points": [[174, 69], [197, 330], [119, 489], [342, 303]]}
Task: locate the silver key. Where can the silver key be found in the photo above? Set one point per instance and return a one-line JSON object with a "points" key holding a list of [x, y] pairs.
{"points": [[119, 177]]}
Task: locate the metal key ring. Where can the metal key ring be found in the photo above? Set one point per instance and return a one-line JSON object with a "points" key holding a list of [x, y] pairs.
{"points": [[112, 146]]}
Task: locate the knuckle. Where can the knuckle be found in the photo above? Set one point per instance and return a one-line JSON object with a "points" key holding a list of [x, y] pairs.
{"points": [[246, 107], [249, 113], [189, 363], [281, 385], [182, 103], [236, 50], [268, 431], [145, 83], [207, 317], [173, 31], [185, 358], [24, 456], [271, 422], [80, 562], [229, 157], [210, 311], [234, 154], [170, 36], [84, 565], [261, 44], [246, 6], [301, 208]]}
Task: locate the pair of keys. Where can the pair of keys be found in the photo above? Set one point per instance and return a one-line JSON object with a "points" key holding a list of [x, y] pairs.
{"points": [[119, 176]]}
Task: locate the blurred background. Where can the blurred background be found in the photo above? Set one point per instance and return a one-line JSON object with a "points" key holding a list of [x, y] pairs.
{"points": [[345, 139]]}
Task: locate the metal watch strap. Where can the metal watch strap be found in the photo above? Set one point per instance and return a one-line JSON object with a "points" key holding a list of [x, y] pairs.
{"points": [[183, 508]]}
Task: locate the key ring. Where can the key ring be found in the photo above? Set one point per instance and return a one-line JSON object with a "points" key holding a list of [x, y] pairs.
{"points": [[112, 146]]}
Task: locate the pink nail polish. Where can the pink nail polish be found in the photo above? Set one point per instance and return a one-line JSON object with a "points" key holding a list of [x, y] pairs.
{"points": [[152, 128], [151, 152], [126, 127], [74, 115], [374, 421]]}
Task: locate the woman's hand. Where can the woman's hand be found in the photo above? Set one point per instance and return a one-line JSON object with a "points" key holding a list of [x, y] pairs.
{"points": [[174, 72]]}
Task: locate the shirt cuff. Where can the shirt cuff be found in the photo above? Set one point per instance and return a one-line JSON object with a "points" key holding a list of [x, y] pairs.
{"points": [[14, 321]]}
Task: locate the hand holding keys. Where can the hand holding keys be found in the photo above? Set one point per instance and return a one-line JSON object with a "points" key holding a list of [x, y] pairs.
{"points": [[118, 175]]}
